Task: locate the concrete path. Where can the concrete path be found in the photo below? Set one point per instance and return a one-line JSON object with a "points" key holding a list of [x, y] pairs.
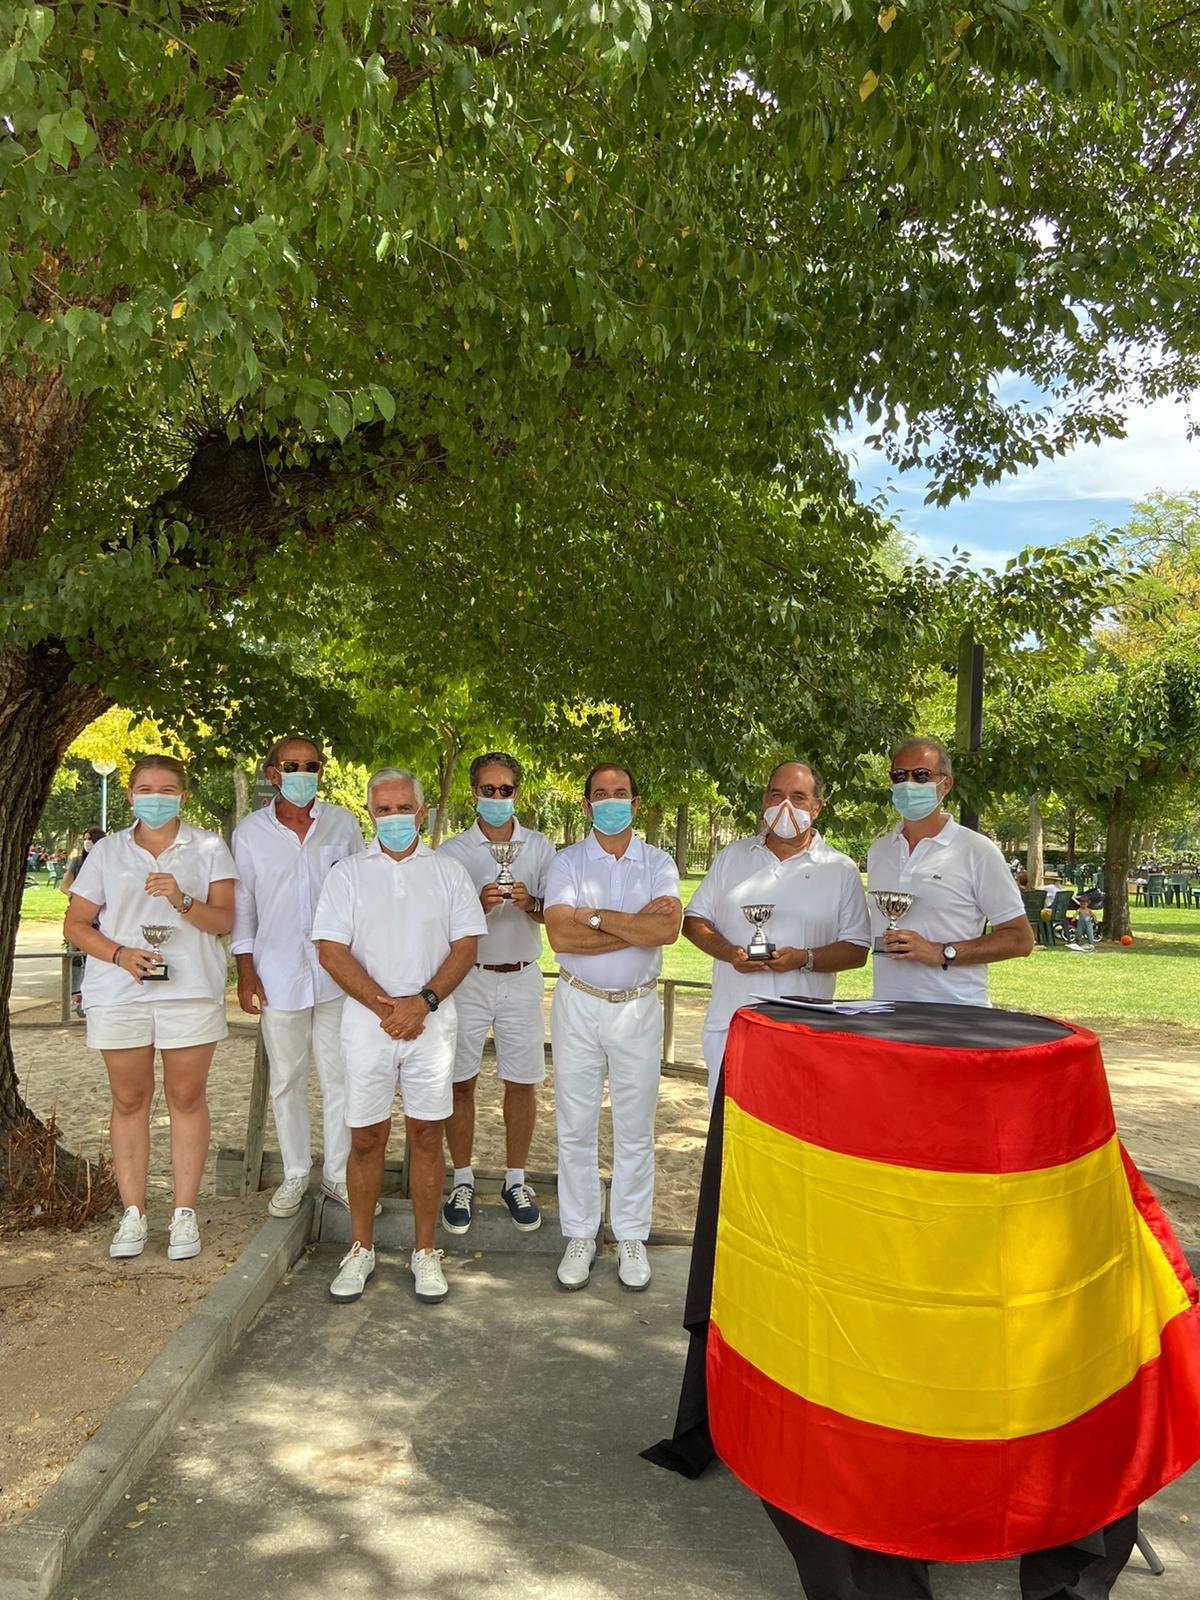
{"points": [[484, 1448]]}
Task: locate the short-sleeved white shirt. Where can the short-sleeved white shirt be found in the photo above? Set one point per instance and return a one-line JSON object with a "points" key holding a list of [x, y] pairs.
{"points": [[818, 899], [112, 877], [960, 880], [398, 918], [585, 874], [511, 935], [281, 881]]}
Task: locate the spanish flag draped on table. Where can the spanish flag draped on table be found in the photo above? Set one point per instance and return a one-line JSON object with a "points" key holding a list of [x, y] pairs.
{"points": [[948, 1318]]}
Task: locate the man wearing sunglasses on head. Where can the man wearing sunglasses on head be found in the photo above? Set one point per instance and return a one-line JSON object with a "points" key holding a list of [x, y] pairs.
{"points": [[502, 994], [960, 883], [284, 853]]}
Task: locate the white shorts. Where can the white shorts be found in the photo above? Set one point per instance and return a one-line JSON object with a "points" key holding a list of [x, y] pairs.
{"points": [[422, 1068], [509, 1006], [166, 1024]]}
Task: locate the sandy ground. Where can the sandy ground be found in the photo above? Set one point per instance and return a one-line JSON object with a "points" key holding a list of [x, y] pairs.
{"points": [[78, 1329]]}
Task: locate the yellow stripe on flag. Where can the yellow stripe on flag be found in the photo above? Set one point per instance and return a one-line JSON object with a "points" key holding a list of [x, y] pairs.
{"points": [[956, 1305]]}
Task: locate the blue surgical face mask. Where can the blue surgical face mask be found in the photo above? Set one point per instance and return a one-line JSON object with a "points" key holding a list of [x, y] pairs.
{"points": [[155, 810], [612, 816], [396, 833], [915, 800], [494, 812], [298, 788]]}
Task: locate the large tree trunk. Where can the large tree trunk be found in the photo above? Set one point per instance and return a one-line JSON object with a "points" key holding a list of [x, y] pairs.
{"points": [[40, 713], [650, 818], [681, 839], [1117, 857], [1070, 811], [451, 750], [1035, 856]]}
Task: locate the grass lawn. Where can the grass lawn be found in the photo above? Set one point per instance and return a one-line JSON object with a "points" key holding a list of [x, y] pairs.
{"points": [[1157, 979], [43, 904]]}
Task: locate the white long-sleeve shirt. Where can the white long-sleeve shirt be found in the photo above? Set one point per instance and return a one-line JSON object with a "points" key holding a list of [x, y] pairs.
{"points": [[276, 899]]}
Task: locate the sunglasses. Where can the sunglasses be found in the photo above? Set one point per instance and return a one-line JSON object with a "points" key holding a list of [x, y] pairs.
{"points": [[917, 774], [490, 791], [299, 766]]}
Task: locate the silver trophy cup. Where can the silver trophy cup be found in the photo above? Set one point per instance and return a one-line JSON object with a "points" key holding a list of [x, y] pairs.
{"points": [[893, 903], [504, 853], [760, 947], [156, 935]]}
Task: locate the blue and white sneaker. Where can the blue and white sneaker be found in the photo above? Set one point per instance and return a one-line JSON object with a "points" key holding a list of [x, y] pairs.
{"points": [[522, 1207], [459, 1211]]}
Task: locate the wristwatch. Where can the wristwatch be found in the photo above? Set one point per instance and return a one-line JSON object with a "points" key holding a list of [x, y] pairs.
{"points": [[808, 961], [949, 954], [430, 999], [535, 905], [594, 921], [185, 905]]}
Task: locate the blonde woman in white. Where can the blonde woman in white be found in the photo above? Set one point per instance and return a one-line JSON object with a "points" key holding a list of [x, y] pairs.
{"points": [[160, 872]]}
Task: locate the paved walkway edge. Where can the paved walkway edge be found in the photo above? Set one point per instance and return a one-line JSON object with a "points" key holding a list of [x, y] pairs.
{"points": [[35, 1555]]}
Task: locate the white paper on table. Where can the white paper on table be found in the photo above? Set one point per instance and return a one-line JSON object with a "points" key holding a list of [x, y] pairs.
{"points": [[844, 1008]]}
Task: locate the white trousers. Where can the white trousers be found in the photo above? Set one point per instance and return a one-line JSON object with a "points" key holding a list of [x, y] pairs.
{"points": [[712, 1047], [508, 1005], [591, 1039], [291, 1037]]}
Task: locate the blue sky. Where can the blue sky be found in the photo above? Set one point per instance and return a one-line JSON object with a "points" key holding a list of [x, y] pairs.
{"points": [[1047, 503]]}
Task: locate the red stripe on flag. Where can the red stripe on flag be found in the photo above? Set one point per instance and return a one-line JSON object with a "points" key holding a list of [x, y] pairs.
{"points": [[1152, 1215], [923, 1106], [954, 1499]]}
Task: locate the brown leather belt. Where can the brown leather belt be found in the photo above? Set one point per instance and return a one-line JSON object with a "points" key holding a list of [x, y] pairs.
{"points": [[502, 966]]}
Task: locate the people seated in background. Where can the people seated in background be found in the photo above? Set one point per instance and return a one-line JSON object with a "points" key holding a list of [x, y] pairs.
{"points": [[1022, 879], [1085, 922]]}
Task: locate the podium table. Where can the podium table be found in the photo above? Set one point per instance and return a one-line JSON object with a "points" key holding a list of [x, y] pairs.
{"points": [[935, 1313]]}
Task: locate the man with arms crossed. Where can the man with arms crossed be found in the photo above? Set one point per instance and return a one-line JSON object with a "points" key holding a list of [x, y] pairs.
{"points": [[819, 926], [959, 881], [612, 902], [502, 993], [397, 928], [284, 853]]}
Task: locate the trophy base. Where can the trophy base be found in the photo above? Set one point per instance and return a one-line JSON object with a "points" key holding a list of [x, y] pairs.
{"points": [[766, 953], [877, 948], [159, 975]]}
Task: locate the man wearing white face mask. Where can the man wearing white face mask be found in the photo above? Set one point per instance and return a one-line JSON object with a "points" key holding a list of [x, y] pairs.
{"points": [[502, 994], [819, 923], [284, 853], [612, 902], [960, 882]]}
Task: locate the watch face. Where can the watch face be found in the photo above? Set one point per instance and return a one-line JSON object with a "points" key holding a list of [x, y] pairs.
{"points": [[594, 920], [949, 953]]}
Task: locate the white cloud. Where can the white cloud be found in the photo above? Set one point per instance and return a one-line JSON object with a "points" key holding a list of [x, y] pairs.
{"points": [[1155, 454]]}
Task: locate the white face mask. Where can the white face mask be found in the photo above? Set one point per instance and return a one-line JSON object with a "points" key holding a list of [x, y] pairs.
{"points": [[786, 821]]}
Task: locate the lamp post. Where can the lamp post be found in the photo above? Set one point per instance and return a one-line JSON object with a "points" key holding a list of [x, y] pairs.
{"points": [[104, 768]]}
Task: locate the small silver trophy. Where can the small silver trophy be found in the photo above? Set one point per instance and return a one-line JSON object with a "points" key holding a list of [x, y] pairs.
{"points": [[893, 903], [760, 947], [504, 853], [156, 935]]}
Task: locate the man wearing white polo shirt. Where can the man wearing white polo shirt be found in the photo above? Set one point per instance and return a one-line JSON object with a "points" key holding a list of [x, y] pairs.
{"points": [[502, 994], [284, 853], [397, 927], [611, 904], [818, 925], [959, 881]]}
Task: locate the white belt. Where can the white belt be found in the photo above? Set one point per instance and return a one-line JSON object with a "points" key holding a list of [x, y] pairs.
{"points": [[617, 996]]}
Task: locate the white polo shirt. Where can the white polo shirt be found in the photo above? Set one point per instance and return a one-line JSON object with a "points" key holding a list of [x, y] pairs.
{"points": [[818, 899], [960, 880], [511, 935], [584, 874], [399, 918], [113, 877], [281, 882]]}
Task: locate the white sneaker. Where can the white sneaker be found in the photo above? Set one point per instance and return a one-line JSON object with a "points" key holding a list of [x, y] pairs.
{"points": [[430, 1279], [184, 1241], [633, 1264], [353, 1271], [339, 1192], [285, 1202], [130, 1237], [575, 1268]]}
